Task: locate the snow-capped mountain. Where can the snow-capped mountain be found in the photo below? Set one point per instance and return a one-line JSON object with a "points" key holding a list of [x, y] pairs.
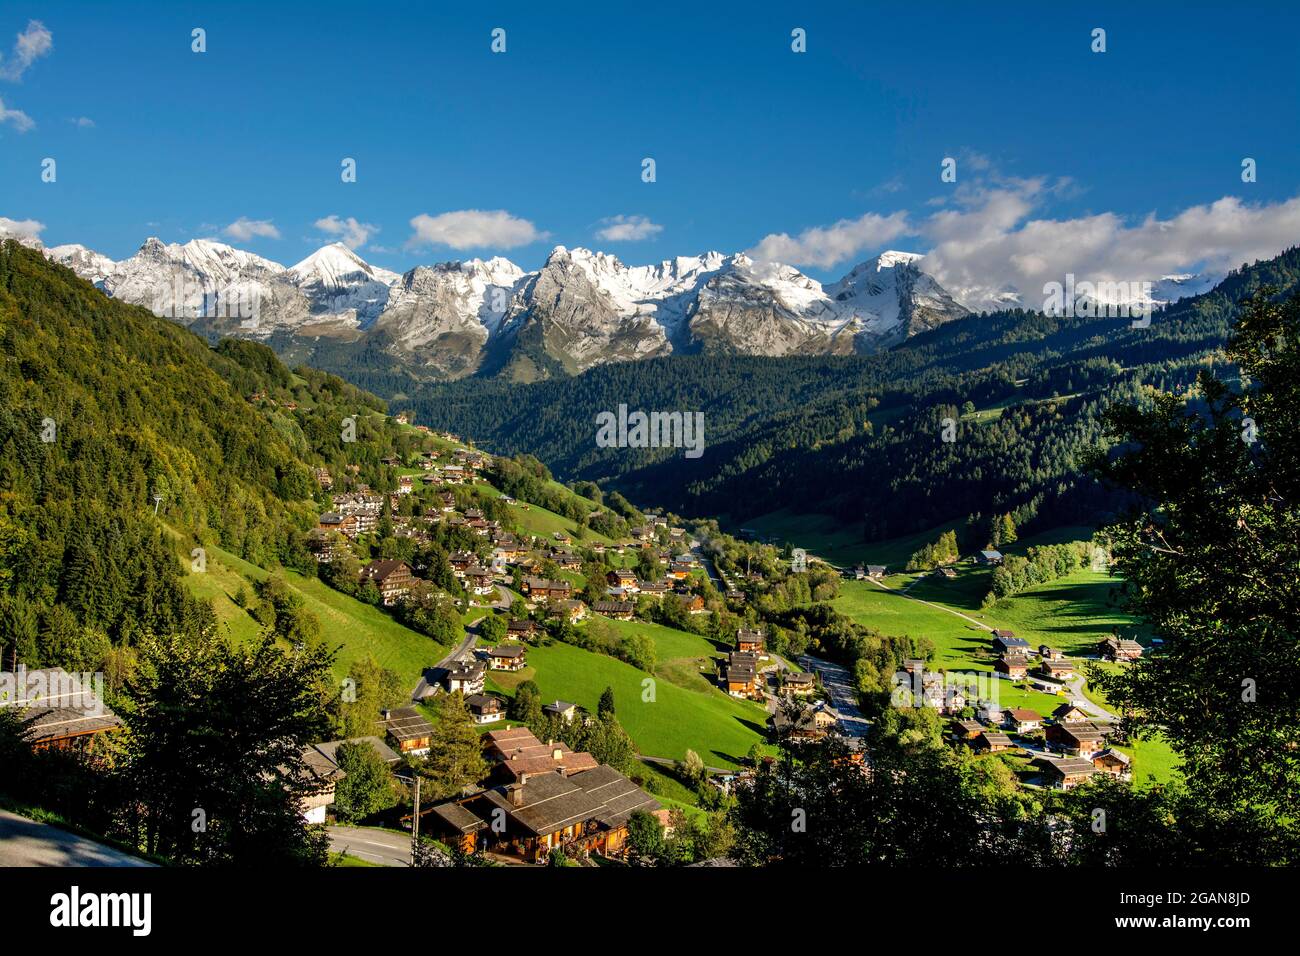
{"points": [[581, 308], [338, 282]]}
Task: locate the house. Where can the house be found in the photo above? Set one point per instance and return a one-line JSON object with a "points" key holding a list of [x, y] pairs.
{"points": [[508, 657], [586, 812], [859, 573], [1066, 774], [875, 571], [344, 524], [1049, 653], [800, 683], [679, 572], [1004, 641], [571, 610], [393, 578], [456, 825], [323, 546], [540, 589], [1056, 670], [1013, 665], [966, 729], [408, 730], [562, 709], [1113, 762], [405, 485], [485, 709], [322, 772], [466, 677], [522, 630], [945, 572], [1119, 649], [1023, 721], [1080, 738], [61, 711], [991, 742], [695, 605], [654, 589], [516, 752], [479, 581], [324, 478], [740, 674], [750, 641], [811, 723], [1068, 712], [321, 776], [618, 610], [622, 578], [990, 557]]}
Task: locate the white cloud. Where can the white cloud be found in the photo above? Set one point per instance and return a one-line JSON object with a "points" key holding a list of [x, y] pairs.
{"points": [[21, 228], [992, 245], [355, 234], [20, 120], [82, 122], [627, 229], [473, 229], [243, 229], [33, 43], [827, 246]]}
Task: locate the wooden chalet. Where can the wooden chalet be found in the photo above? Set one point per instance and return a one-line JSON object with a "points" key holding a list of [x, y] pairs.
{"points": [[1077, 738], [1119, 649], [485, 708], [1114, 762], [393, 578], [1066, 774], [584, 812], [618, 610], [540, 589], [508, 657], [750, 641], [408, 730], [59, 710]]}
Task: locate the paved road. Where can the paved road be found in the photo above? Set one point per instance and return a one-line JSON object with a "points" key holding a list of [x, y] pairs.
{"points": [[385, 847], [457, 653], [843, 694], [25, 842]]}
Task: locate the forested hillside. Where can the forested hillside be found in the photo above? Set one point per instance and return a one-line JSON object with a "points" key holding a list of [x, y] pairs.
{"points": [[861, 438], [108, 413]]}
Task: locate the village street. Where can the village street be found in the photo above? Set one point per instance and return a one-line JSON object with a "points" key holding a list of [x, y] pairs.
{"points": [[839, 687], [384, 847], [25, 842]]}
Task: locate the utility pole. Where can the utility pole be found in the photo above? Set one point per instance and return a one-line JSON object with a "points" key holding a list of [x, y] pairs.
{"points": [[415, 820]]}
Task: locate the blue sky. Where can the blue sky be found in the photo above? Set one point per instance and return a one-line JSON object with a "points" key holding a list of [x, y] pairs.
{"points": [[750, 139]]}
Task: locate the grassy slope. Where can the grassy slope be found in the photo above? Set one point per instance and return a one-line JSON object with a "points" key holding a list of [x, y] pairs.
{"points": [[355, 628]]}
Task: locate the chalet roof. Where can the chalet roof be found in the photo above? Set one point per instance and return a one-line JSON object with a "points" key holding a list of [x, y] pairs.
{"points": [[559, 706], [57, 704], [458, 818], [613, 607], [406, 723], [383, 569], [1022, 714], [800, 678], [996, 740], [551, 801], [1068, 766], [1064, 709], [386, 753], [1112, 752], [484, 703], [507, 650], [1082, 730], [466, 670]]}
